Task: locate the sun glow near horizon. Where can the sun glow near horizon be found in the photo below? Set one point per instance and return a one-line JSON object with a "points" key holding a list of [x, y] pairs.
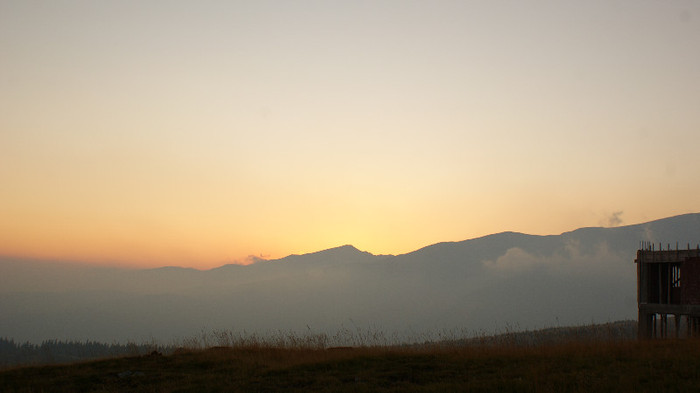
{"points": [[198, 134]]}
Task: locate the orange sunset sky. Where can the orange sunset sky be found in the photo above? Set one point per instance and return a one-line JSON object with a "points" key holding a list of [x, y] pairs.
{"points": [[196, 133]]}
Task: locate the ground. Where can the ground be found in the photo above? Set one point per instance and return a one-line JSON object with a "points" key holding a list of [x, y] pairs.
{"points": [[576, 366]]}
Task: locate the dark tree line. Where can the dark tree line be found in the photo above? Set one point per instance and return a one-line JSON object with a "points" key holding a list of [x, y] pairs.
{"points": [[54, 351]]}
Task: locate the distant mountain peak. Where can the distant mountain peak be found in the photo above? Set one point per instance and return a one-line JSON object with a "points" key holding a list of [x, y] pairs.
{"points": [[342, 254], [344, 248]]}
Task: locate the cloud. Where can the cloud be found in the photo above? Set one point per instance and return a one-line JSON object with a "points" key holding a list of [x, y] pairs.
{"points": [[515, 259], [572, 259], [614, 219]]}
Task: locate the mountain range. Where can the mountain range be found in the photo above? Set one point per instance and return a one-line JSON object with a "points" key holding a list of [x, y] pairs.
{"points": [[504, 281]]}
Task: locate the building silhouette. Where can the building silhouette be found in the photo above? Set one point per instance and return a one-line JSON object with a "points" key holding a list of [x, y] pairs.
{"points": [[668, 289]]}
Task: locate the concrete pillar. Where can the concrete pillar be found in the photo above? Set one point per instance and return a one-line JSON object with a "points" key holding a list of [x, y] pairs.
{"points": [[645, 325], [664, 321]]}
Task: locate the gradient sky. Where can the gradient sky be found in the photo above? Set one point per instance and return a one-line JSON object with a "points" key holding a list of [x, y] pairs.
{"points": [[196, 133]]}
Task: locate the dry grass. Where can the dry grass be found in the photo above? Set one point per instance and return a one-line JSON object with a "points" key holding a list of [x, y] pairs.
{"points": [[297, 363]]}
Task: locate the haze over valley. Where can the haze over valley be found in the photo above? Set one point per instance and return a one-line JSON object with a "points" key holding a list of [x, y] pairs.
{"points": [[483, 285]]}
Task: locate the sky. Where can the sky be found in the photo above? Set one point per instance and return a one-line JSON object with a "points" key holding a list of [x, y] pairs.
{"points": [[198, 133]]}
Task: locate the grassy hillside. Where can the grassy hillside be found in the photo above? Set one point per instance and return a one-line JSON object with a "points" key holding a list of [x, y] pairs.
{"points": [[565, 366]]}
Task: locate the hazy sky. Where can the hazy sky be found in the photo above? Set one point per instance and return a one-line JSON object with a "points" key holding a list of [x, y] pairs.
{"points": [[196, 133]]}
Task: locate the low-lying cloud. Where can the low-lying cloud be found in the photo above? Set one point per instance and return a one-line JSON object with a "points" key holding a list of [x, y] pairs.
{"points": [[571, 259], [516, 259]]}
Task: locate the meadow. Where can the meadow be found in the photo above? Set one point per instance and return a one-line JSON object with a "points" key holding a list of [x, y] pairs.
{"points": [[601, 358]]}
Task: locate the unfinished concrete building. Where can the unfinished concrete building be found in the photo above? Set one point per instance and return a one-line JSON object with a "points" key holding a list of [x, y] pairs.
{"points": [[668, 289]]}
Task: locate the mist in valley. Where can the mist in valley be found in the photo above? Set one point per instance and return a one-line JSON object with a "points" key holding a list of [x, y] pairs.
{"points": [[505, 281]]}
